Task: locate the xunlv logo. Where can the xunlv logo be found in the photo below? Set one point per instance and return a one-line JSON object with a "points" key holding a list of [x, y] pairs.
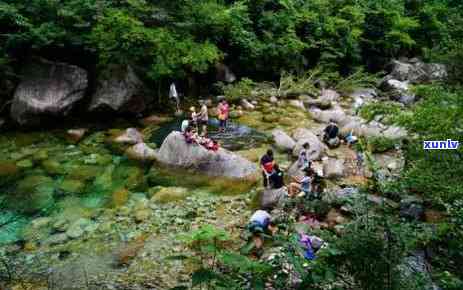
{"points": [[441, 145]]}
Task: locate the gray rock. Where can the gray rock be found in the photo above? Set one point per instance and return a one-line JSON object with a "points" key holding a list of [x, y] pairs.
{"points": [[364, 93], [416, 71], [282, 140], [333, 168], [395, 132], [337, 114], [271, 198], [130, 136], [329, 95], [141, 152], [415, 267], [247, 105], [411, 208], [56, 239], [273, 100], [175, 151], [48, 89], [305, 136], [119, 90], [77, 228], [298, 104]]}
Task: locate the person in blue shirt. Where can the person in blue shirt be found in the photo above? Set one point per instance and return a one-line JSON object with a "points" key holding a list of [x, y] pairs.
{"points": [[301, 184]]}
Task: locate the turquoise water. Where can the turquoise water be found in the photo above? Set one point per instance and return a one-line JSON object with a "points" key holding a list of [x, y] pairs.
{"points": [[44, 173]]}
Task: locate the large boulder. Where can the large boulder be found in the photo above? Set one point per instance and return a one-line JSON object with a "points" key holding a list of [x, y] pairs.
{"points": [[282, 140], [303, 136], [329, 95], [412, 208], [118, 90], [399, 91], [176, 152], [271, 198], [48, 89], [141, 152], [416, 71], [337, 114]]}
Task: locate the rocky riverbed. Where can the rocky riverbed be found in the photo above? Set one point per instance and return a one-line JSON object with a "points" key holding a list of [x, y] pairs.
{"points": [[96, 207]]}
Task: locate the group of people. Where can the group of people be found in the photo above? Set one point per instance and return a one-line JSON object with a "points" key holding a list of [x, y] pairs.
{"points": [[331, 136], [306, 185], [195, 128]]}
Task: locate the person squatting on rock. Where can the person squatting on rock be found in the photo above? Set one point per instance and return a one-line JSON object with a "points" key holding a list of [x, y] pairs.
{"points": [[330, 136], [192, 137], [266, 164], [261, 223], [302, 185]]}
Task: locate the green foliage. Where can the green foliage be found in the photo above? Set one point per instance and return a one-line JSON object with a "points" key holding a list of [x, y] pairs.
{"points": [[437, 117], [236, 91], [381, 144], [389, 111]]}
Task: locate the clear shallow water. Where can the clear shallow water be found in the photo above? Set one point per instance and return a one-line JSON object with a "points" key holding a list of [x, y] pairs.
{"points": [[44, 174], [237, 137]]}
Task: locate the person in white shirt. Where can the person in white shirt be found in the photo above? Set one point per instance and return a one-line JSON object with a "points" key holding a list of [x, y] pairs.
{"points": [[260, 223], [174, 95]]}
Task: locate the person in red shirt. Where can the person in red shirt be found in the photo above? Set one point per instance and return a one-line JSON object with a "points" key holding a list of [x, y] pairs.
{"points": [[266, 164], [223, 111]]}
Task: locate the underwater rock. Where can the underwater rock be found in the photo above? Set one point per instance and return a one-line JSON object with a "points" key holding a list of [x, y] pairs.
{"points": [[282, 140], [34, 193], [48, 89], [72, 186], [118, 90], [175, 151], [154, 120], [56, 239], [127, 252], [78, 228], [52, 167], [130, 136], [141, 152], [142, 215], [169, 194], [75, 135], [8, 168]]}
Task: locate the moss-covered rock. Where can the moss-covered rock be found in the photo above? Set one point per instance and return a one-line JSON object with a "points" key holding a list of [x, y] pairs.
{"points": [[34, 193], [84, 172], [72, 186], [170, 194], [53, 167]]}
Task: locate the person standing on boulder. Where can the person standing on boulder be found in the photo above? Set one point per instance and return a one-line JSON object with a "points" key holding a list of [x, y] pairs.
{"points": [[203, 117], [266, 164]]}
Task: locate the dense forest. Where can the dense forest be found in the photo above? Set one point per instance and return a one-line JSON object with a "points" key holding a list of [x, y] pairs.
{"points": [[291, 50]]}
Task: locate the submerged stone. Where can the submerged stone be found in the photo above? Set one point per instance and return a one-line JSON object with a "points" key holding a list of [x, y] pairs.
{"points": [[170, 194], [72, 186], [26, 163], [8, 168], [34, 193], [53, 167]]}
